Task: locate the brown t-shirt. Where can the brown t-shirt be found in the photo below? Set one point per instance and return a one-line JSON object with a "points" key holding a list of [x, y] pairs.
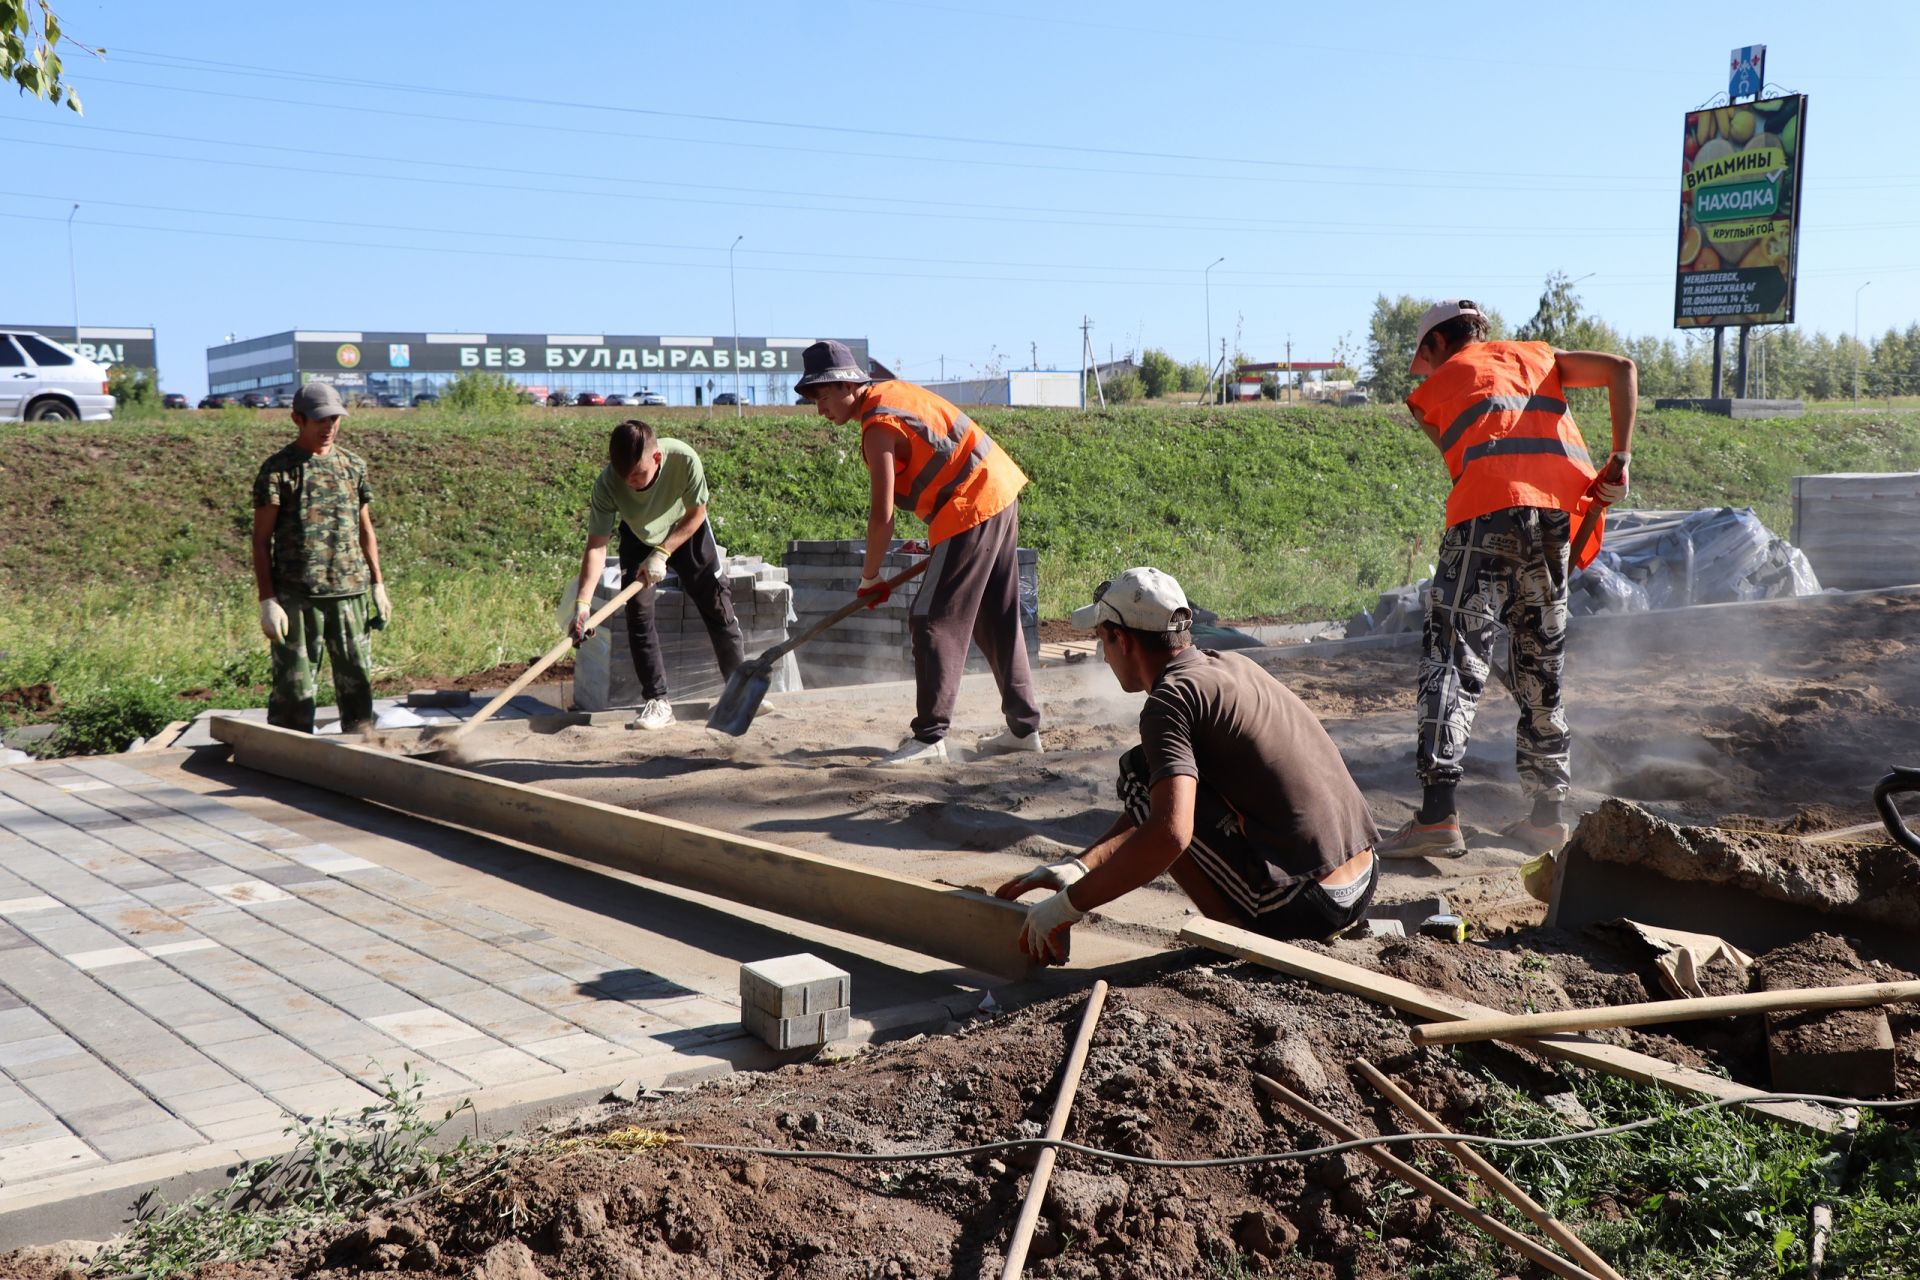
{"points": [[1222, 719]]}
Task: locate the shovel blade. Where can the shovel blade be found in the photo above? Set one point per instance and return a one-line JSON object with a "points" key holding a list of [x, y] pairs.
{"points": [[740, 700]]}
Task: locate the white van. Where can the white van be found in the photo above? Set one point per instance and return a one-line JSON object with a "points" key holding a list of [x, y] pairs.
{"points": [[42, 381]]}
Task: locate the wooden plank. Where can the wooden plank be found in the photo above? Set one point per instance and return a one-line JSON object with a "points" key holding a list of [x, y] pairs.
{"points": [[1874, 832], [1511, 1026], [962, 926], [163, 737], [1399, 994]]}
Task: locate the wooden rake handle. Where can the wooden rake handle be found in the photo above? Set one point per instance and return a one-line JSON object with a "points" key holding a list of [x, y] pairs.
{"points": [[551, 656]]}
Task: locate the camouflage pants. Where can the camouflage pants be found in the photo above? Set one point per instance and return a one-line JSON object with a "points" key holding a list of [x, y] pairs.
{"points": [[1507, 568], [337, 627]]}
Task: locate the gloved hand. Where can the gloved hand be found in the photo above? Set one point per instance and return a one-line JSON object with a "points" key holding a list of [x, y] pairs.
{"points": [[273, 621], [653, 570], [913, 547], [382, 608], [874, 591], [577, 630], [1054, 875], [1043, 936], [1610, 486]]}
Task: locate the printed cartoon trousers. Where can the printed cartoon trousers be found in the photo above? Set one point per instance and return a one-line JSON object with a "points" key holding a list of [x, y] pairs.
{"points": [[1504, 569]]}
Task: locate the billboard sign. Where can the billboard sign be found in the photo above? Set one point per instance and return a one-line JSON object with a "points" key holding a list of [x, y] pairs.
{"points": [[1746, 72], [541, 353], [1740, 214]]}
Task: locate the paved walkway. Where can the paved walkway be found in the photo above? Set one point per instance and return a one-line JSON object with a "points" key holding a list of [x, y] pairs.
{"points": [[178, 974]]}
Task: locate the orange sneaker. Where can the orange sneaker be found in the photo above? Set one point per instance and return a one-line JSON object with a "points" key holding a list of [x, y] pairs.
{"points": [[1535, 838], [1418, 839]]}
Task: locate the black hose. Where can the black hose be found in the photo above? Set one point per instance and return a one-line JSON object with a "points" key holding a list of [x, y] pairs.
{"points": [[1891, 785]]}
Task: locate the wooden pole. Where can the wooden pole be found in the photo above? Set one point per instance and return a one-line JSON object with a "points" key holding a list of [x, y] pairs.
{"points": [[551, 656], [1056, 1127], [1525, 1246], [1511, 1026], [1483, 1169]]}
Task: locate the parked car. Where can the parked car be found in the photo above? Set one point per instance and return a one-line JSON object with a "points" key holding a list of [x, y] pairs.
{"points": [[528, 397], [215, 402], [41, 381], [617, 399], [589, 397], [1354, 398], [283, 399], [174, 400], [424, 399], [558, 400], [257, 400], [391, 401], [726, 397], [649, 397]]}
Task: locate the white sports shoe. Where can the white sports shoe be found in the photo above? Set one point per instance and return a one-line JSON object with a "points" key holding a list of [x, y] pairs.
{"points": [[1006, 743], [655, 713], [914, 751]]}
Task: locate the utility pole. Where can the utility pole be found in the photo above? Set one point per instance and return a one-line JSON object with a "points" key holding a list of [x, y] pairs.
{"points": [[739, 411], [73, 279], [1856, 343], [943, 366], [1033, 355], [1223, 371], [1089, 362], [1206, 282], [1289, 368]]}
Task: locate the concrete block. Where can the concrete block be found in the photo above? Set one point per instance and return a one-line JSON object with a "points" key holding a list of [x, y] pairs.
{"points": [[789, 986], [1845, 1052], [805, 1031], [1411, 912], [439, 698]]}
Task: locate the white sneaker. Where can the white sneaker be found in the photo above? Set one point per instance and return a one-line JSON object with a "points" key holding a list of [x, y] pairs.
{"points": [[914, 751], [655, 713], [1006, 742]]}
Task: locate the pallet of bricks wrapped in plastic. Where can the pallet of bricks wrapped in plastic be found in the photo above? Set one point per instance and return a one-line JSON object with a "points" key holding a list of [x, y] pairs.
{"points": [[875, 644], [762, 601]]}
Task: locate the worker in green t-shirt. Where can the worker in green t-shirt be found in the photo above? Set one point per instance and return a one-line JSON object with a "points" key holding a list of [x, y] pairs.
{"points": [[655, 492], [316, 567]]}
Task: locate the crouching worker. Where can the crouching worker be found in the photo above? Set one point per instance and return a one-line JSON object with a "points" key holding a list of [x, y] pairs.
{"points": [[1235, 788]]}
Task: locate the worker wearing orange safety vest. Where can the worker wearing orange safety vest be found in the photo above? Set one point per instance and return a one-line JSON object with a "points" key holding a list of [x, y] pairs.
{"points": [[927, 456], [1522, 483]]}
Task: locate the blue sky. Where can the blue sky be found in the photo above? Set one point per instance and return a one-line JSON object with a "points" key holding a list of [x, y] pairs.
{"points": [[945, 179]]}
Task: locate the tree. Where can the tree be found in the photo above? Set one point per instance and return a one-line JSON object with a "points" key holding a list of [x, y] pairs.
{"points": [[1390, 336], [30, 39], [481, 391], [1159, 372], [132, 388]]}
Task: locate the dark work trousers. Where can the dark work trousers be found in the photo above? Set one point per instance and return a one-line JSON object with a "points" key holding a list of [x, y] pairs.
{"points": [[697, 563], [971, 591], [1242, 871], [1507, 569]]}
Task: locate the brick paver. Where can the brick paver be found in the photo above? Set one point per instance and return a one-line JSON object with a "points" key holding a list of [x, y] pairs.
{"points": [[176, 973]]}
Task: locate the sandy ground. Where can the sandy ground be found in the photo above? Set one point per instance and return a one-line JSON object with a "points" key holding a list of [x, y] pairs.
{"points": [[1774, 714]]}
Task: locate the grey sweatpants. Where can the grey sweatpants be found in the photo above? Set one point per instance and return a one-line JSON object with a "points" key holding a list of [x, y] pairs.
{"points": [[971, 591]]}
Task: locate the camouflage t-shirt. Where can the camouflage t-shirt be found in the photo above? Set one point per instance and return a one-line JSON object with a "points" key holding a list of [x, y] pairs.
{"points": [[316, 534]]}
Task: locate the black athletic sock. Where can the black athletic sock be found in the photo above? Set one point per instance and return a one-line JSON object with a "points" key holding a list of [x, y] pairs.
{"points": [[1436, 802]]}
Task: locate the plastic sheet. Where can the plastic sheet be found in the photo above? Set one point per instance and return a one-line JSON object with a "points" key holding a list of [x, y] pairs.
{"points": [[1652, 560]]}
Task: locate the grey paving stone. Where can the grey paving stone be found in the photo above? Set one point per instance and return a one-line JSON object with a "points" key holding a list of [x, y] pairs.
{"points": [[19, 1058], [24, 1022], [277, 1081], [9, 1001], [46, 1158], [81, 1087], [235, 1026], [250, 1059], [285, 876], [181, 1081], [146, 1140], [373, 999]]}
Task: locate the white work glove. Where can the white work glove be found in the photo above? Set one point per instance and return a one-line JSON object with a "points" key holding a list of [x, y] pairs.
{"points": [[653, 570], [577, 630], [382, 607], [1610, 486], [273, 621], [1043, 936], [1054, 875]]}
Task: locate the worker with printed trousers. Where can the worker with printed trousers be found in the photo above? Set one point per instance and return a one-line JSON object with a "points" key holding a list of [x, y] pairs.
{"points": [[1235, 789], [316, 567], [1523, 482], [654, 491], [927, 456]]}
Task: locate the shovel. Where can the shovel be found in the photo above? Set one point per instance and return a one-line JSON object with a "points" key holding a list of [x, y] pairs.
{"points": [[747, 686], [438, 740]]}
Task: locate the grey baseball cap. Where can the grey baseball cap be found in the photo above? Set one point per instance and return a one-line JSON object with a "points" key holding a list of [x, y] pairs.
{"points": [[318, 400], [1141, 599], [828, 361]]}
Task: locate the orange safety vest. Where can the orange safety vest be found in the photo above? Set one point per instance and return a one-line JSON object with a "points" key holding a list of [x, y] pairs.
{"points": [[950, 474], [1499, 415]]}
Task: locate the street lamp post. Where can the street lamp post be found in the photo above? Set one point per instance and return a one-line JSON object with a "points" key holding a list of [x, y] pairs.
{"points": [[738, 410], [73, 275], [1856, 345], [1206, 281]]}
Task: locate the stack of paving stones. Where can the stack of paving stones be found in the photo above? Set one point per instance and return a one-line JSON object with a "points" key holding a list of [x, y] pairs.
{"points": [[795, 1002], [762, 601], [1856, 528], [875, 644], [176, 974]]}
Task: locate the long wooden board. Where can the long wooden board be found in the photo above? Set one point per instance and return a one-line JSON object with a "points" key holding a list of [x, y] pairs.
{"points": [[962, 926], [1399, 994]]}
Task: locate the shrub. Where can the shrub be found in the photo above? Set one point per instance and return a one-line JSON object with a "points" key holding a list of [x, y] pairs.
{"points": [[132, 388], [481, 391], [109, 719]]}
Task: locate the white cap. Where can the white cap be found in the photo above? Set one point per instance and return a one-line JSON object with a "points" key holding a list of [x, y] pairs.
{"points": [[1142, 599], [1436, 315]]}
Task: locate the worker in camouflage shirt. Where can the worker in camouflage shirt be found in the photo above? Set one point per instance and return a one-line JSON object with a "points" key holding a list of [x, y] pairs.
{"points": [[316, 565]]}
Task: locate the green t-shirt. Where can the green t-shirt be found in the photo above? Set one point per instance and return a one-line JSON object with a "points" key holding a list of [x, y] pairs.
{"points": [[651, 513], [316, 532]]}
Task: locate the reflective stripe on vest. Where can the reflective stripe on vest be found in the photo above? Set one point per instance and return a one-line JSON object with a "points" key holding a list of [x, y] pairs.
{"points": [[1507, 446], [942, 446], [1480, 409]]}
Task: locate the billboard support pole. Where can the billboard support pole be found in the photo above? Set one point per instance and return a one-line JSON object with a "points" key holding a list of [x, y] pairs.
{"points": [[1740, 367], [1719, 360]]}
